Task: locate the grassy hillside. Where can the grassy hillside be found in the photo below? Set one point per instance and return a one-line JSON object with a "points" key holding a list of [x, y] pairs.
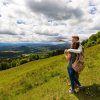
{"points": [[46, 79]]}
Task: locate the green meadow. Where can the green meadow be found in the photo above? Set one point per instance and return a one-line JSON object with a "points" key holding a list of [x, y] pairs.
{"points": [[47, 79]]}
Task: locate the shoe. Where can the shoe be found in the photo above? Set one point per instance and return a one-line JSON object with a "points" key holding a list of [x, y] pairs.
{"points": [[70, 88], [76, 86], [69, 84], [81, 87], [72, 91]]}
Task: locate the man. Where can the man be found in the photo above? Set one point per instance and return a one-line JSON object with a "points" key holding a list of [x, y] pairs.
{"points": [[79, 50]]}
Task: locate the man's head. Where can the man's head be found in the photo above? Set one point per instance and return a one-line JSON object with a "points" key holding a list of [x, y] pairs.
{"points": [[75, 39], [75, 45]]}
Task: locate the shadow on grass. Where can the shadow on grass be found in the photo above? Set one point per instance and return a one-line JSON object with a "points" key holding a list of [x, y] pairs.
{"points": [[89, 93]]}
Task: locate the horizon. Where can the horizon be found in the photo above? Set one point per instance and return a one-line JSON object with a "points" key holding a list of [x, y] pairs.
{"points": [[52, 43]]}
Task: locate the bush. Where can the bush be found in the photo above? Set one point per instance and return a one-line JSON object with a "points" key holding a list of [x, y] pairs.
{"points": [[98, 41], [33, 57], [23, 61], [98, 34], [4, 65], [94, 39], [13, 64]]}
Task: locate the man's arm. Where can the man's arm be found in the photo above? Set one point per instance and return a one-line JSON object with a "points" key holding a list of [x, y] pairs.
{"points": [[67, 55], [79, 50]]}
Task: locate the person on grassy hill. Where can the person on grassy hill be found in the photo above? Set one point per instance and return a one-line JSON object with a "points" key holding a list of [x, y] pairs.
{"points": [[71, 57], [73, 50], [79, 50]]}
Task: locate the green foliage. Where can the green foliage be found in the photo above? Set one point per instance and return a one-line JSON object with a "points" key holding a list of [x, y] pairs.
{"points": [[93, 40], [93, 37], [33, 57], [13, 64], [4, 65], [98, 41], [9, 62], [98, 34], [84, 42], [23, 61], [90, 43]]}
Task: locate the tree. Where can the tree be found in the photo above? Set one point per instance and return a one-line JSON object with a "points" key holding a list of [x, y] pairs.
{"points": [[4, 65], [31, 57], [98, 34], [13, 64], [93, 37], [98, 41], [84, 42], [36, 57], [23, 61]]}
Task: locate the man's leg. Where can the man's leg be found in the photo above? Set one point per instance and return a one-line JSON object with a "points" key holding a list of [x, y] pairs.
{"points": [[77, 75], [71, 76], [76, 81]]}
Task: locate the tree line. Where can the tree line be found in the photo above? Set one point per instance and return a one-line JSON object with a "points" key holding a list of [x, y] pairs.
{"points": [[13, 62], [93, 40]]}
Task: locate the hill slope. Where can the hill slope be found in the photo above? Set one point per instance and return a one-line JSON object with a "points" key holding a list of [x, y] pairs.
{"points": [[46, 79]]}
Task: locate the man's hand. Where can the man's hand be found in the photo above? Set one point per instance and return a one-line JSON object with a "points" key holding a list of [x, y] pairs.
{"points": [[67, 54], [65, 51]]}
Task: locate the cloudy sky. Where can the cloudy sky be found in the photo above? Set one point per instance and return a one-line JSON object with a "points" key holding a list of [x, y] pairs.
{"points": [[48, 20]]}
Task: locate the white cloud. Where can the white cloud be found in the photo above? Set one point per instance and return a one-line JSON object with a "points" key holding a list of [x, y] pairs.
{"points": [[48, 20]]}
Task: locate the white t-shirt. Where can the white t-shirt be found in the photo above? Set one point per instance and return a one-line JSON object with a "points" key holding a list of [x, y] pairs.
{"points": [[79, 50]]}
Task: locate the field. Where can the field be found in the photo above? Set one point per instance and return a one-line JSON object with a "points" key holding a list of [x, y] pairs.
{"points": [[47, 79]]}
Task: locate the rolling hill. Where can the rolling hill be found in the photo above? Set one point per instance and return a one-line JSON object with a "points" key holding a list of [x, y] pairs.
{"points": [[47, 79]]}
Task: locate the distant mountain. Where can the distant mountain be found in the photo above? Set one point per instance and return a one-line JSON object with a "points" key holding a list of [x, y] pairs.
{"points": [[26, 45], [17, 49]]}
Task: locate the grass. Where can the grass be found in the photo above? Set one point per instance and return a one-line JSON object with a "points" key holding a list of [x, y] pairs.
{"points": [[46, 79]]}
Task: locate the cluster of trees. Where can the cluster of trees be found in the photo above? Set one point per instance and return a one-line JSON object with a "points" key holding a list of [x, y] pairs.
{"points": [[6, 64], [9, 63], [93, 40]]}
